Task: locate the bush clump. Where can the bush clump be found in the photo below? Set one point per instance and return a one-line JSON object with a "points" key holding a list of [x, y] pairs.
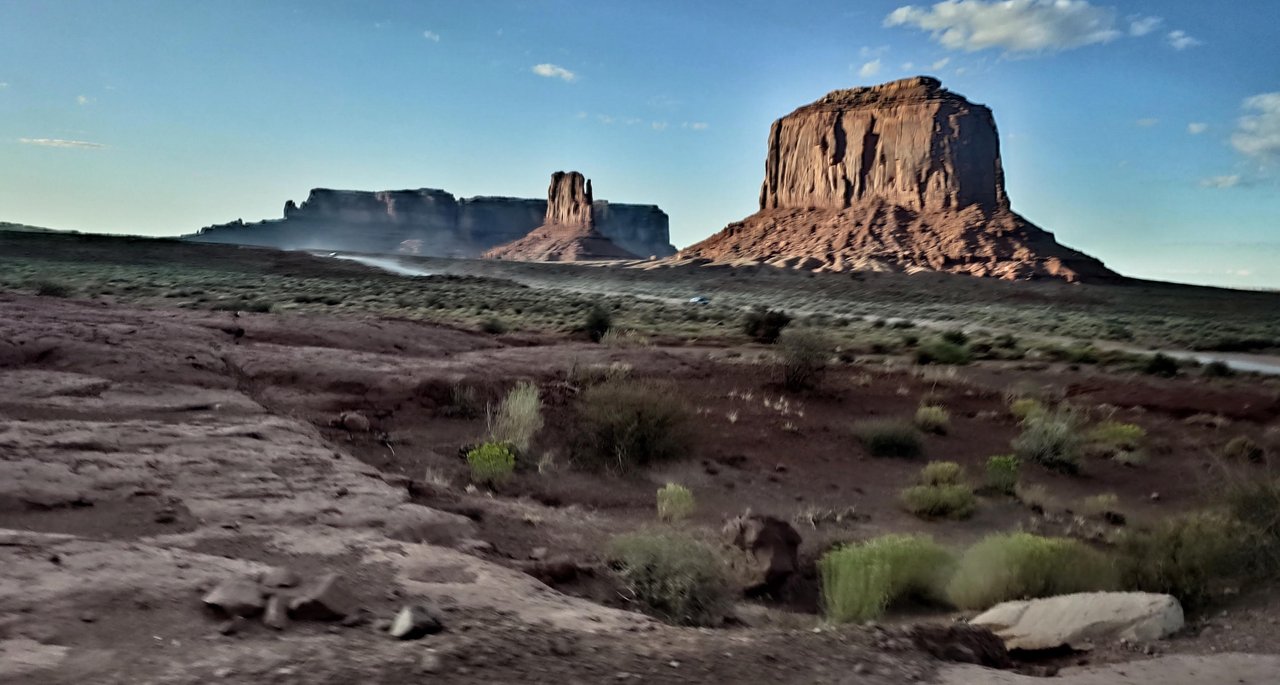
{"points": [[673, 576], [1116, 436], [493, 326], [1197, 558], [860, 581], [492, 463], [1002, 474], [1052, 440], [518, 418], [940, 493], [1010, 566], [805, 354], [1160, 365], [1023, 408], [1217, 369], [765, 325], [939, 351], [598, 322], [675, 502], [889, 438], [941, 473], [52, 289], [932, 418], [624, 424], [1244, 448]]}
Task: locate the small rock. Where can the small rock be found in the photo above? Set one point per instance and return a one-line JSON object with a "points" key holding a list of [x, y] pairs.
{"points": [[280, 577], [1155, 497], [354, 421], [538, 553], [232, 626], [166, 516], [430, 662], [415, 621], [237, 596], [358, 618], [89, 617], [323, 600], [562, 646], [223, 672], [473, 546], [276, 616]]}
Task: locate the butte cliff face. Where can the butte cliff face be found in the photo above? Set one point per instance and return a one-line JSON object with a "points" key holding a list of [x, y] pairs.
{"points": [[901, 176], [431, 222], [568, 232]]}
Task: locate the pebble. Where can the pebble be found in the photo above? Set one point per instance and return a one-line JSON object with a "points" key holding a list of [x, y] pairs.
{"points": [[430, 662]]}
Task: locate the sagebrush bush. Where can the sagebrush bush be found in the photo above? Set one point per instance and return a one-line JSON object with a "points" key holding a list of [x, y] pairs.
{"points": [[1244, 448], [1197, 558], [941, 473], [518, 417], [1217, 369], [939, 351], [1035, 496], [1160, 365], [1100, 506], [1052, 440], [492, 463], [860, 581], [1010, 566], [889, 438], [1114, 436], [949, 500], [625, 423], [673, 576], [46, 288], [933, 419], [955, 337], [628, 338], [765, 325], [805, 353], [1024, 407], [598, 322], [493, 326], [675, 502], [1002, 473]]}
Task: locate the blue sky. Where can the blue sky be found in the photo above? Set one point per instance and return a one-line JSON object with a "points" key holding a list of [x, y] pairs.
{"points": [[1145, 133]]}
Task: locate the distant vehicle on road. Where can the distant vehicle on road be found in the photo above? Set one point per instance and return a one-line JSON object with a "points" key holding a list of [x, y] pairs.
{"points": [[699, 300]]}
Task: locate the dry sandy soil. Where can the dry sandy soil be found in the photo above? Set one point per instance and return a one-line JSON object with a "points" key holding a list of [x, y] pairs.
{"points": [[146, 454]]}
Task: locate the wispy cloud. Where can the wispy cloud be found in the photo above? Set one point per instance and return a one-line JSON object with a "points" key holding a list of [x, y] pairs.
{"points": [[1179, 40], [1257, 133], [695, 125], [659, 125], [866, 52], [431, 36], [4, 84], [870, 69], [1221, 181], [554, 71], [1141, 26], [1016, 26], [940, 63], [1195, 128], [1147, 122], [58, 142], [83, 100]]}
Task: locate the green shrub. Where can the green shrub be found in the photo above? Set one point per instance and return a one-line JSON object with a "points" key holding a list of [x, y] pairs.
{"points": [[52, 289], [493, 326], [942, 352], [889, 438], [860, 581], [598, 322], [1035, 496], [491, 463], [955, 337], [673, 576], [624, 339], [765, 325], [1254, 499], [933, 419], [952, 500], [941, 473], [627, 423], [1197, 557], [1217, 369], [1114, 436], [519, 417], [1010, 566], [1052, 440], [675, 502], [805, 353], [465, 402], [1160, 365], [1002, 474], [1099, 506], [1244, 448], [1023, 408]]}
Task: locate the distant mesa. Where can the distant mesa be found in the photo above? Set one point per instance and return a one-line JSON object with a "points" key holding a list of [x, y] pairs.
{"points": [[432, 222], [901, 176], [568, 232]]}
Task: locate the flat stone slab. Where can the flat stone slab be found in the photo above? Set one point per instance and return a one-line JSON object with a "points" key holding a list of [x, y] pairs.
{"points": [[1080, 620]]}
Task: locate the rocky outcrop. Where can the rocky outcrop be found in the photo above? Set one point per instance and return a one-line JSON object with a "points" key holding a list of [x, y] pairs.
{"points": [[1082, 620], [568, 232], [901, 176], [430, 222]]}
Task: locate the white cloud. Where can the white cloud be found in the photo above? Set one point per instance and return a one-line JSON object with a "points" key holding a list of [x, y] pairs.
{"points": [[1220, 181], [1148, 121], [695, 125], [908, 66], [554, 71], [604, 119], [1257, 133], [431, 36], [870, 68], [4, 84], [867, 53], [1195, 128], [1179, 40], [659, 125], [58, 142], [940, 63], [1141, 26], [83, 100], [1013, 25]]}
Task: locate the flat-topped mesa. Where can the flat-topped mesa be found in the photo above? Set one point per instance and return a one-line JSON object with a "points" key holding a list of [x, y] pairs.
{"points": [[568, 233], [901, 176], [911, 143], [569, 199]]}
